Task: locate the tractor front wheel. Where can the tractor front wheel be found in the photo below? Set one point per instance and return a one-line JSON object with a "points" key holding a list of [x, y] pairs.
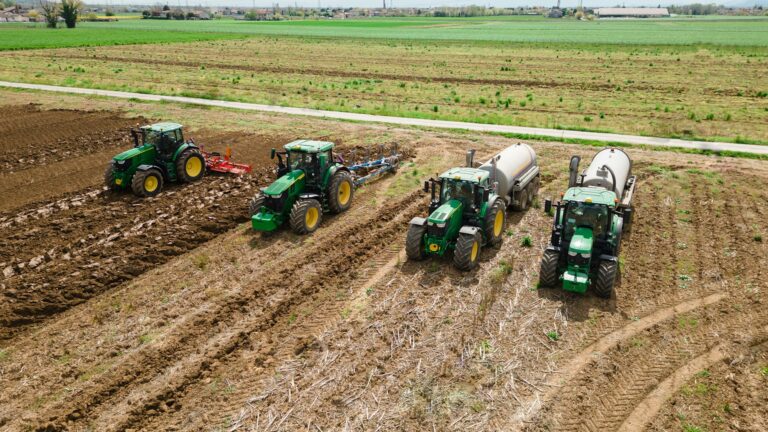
{"points": [[495, 221], [255, 204], [340, 191], [147, 183], [606, 276], [414, 243], [190, 166], [109, 179], [548, 271], [306, 216], [467, 251]]}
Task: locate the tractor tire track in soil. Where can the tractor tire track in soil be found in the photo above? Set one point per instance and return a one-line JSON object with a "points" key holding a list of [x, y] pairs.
{"points": [[199, 341]]}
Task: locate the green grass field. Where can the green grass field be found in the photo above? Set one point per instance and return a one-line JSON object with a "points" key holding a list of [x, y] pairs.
{"points": [[723, 31]]}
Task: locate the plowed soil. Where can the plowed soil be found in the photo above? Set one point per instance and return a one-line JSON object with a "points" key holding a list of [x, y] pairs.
{"points": [[170, 314]]}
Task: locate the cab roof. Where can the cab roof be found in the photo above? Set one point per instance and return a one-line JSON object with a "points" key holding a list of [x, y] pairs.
{"points": [[309, 146], [162, 127], [466, 174], [596, 195]]}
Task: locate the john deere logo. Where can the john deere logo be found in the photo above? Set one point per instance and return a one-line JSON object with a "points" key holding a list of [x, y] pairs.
{"points": [[434, 247]]}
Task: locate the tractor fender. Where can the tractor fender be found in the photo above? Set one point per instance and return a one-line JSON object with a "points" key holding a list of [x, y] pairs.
{"points": [[183, 148], [147, 167], [492, 200], [333, 170], [471, 230], [419, 221], [553, 248], [608, 258]]}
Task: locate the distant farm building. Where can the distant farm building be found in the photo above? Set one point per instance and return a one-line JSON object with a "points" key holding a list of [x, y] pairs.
{"points": [[631, 12]]}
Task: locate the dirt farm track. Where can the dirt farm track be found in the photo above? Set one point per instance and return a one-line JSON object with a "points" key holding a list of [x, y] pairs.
{"points": [[168, 313]]}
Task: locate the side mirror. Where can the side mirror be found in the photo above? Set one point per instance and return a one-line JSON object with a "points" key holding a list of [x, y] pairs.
{"points": [[627, 216], [426, 186], [486, 195], [272, 154], [547, 205]]}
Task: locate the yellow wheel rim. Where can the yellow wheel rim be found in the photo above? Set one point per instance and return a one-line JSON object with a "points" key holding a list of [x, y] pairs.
{"points": [[475, 250], [345, 191], [193, 166], [498, 223], [311, 217], [151, 183]]}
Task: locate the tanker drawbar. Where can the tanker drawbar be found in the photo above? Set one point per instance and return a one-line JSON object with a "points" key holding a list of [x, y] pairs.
{"points": [[588, 225]]}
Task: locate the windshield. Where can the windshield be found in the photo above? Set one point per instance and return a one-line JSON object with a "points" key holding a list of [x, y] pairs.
{"points": [[151, 137], [457, 189], [579, 214], [300, 160]]}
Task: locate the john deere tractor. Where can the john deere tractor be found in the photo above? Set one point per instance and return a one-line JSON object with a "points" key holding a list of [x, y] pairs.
{"points": [[160, 155], [310, 182], [588, 225]]}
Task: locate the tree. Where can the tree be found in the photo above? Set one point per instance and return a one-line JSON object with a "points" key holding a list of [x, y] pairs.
{"points": [[50, 13], [69, 11]]}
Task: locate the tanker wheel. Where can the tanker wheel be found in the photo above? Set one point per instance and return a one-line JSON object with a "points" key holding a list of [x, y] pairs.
{"points": [[414, 243], [109, 179], [467, 251], [495, 221], [190, 166], [606, 276], [255, 204], [548, 270], [522, 200], [147, 183], [340, 192], [306, 216]]}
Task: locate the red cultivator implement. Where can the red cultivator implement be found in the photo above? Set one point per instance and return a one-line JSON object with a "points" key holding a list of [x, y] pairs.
{"points": [[215, 162]]}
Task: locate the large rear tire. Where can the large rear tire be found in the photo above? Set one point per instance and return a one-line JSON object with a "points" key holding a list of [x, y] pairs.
{"points": [[340, 192], [495, 221], [306, 216], [414, 243], [548, 271], [109, 179], [467, 251], [606, 277], [190, 166], [147, 183], [255, 204]]}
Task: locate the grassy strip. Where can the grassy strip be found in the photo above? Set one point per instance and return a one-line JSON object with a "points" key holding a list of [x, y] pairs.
{"points": [[595, 143]]}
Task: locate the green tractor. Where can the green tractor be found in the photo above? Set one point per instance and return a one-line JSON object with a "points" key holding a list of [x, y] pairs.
{"points": [[310, 182], [469, 211], [160, 155], [588, 225]]}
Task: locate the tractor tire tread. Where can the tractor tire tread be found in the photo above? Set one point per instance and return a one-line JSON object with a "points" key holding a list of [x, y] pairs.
{"points": [[490, 220], [298, 215], [109, 178], [414, 248], [181, 162], [462, 255], [137, 183], [333, 191], [606, 277], [548, 270], [255, 204]]}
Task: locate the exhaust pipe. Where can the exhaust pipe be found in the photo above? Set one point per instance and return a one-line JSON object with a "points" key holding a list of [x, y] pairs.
{"points": [[470, 158]]}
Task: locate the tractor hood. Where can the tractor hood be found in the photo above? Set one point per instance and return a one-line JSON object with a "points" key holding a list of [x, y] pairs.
{"points": [[130, 154], [581, 242], [443, 213], [283, 183]]}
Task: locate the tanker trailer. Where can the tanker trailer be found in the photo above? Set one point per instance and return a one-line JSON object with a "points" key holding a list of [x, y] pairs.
{"points": [[588, 223], [468, 206]]}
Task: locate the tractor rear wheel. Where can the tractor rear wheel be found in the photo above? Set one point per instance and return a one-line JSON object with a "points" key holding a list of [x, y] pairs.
{"points": [[109, 178], [255, 204], [190, 166], [147, 183], [495, 221], [548, 270], [467, 251], [606, 276], [340, 191], [414, 243], [306, 216]]}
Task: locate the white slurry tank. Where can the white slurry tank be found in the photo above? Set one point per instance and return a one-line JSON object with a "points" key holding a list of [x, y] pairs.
{"points": [[516, 173], [610, 169]]}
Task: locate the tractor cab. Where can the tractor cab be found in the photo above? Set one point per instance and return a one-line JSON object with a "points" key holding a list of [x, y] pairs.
{"points": [[166, 137], [466, 186], [312, 158]]}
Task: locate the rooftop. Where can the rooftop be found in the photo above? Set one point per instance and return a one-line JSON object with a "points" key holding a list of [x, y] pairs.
{"points": [[163, 127], [466, 174], [594, 195], [309, 146]]}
